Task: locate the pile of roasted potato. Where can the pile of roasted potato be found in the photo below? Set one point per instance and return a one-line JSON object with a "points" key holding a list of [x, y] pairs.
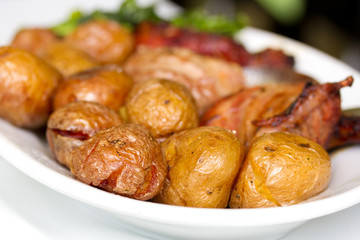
{"points": [[126, 119]]}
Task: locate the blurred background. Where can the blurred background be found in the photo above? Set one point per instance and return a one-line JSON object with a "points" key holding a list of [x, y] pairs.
{"points": [[332, 26]]}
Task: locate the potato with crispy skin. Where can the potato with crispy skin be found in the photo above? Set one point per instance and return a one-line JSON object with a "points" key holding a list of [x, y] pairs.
{"points": [[125, 160], [281, 169], [69, 126], [33, 40], [66, 58], [104, 40], [27, 85], [203, 163], [107, 85], [164, 106]]}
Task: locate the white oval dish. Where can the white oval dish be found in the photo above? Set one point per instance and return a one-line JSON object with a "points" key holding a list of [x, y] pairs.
{"points": [[29, 153]]}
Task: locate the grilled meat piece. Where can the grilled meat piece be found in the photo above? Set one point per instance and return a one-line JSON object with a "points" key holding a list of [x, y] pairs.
{"points": [[273, 58], [314, 114], [209, 79], [238, 112], [216, 45]]}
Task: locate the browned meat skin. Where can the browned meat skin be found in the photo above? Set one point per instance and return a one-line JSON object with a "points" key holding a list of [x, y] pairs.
{"points": [[272, 58], [224, 47], [314, 115], [237, 112], [347, 131], [313, 111]]}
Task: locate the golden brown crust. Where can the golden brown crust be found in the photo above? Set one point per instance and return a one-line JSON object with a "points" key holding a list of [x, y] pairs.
{"points": [[87, 117], [165, 107], [66, 58], [281, 169], [69, 126], [203, 163], [125, 160], [104, 40], [27, 85], [61, 146], [33, 40], [107, 85]]}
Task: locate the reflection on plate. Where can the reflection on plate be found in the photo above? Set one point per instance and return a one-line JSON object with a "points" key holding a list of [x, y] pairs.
{"points": [[28, 152]]}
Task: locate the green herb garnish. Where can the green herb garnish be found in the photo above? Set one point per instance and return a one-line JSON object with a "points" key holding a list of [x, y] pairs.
{"points": [[130, 14], [200, 20]]}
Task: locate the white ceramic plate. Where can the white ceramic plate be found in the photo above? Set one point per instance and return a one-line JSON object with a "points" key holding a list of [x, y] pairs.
{"points": [[29, 153]]}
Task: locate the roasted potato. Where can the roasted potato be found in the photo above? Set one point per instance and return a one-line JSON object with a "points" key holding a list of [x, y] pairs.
{"points": [[27, 85], [126, 160], [34, 40], [203, 163], [69, 126], [104, 40], [281, 169], [66, 58], [165, 107], [107, 85]]}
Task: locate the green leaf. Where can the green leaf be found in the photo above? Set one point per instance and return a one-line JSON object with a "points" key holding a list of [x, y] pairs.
{"points": [[201, 21], [130, 14], [69, 25]]}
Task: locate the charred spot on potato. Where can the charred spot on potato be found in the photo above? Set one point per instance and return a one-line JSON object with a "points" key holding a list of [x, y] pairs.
{"points": [[166, 102], [269, 149], [113, 142], [305, 145], [117, 143]]}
